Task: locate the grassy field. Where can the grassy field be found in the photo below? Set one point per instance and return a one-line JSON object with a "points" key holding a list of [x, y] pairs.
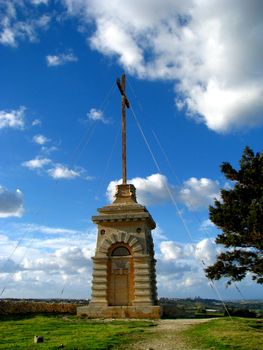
{"points": [[224, 333], [77, 333], [72, 332]]}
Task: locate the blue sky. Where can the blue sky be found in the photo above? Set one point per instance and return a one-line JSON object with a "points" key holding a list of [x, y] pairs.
{"points": [[194, 81]]}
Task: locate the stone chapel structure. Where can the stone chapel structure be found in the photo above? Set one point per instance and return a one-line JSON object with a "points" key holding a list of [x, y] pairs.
{"points": [[124, 276]]}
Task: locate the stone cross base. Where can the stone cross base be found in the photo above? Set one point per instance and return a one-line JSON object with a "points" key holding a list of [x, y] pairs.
{"points": [[92, 311]]}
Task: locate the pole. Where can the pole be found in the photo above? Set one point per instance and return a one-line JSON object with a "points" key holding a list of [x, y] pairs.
{"points": [[124, 103], [123, 112]]}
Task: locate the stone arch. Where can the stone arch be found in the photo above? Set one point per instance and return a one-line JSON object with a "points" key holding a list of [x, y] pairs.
{"points": [[121, 237], [120, 251]]}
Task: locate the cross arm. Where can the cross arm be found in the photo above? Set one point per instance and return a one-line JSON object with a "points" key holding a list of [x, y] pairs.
{"points": [[123, 93]]}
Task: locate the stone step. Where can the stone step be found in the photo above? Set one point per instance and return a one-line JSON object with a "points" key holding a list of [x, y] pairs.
{"points": [[100, 279], [142, 293], [142, 273], [142, 286], [99, 273], [98, 293], [141, 265], [100, 267], [99, 286], [142, 278]]}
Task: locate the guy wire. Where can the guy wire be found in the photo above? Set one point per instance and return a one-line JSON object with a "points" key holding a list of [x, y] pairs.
{"points": [[205, 231], [171, 195]]}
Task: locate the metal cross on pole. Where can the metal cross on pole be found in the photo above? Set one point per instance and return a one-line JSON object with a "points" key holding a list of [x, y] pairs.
{"points": [[124, 103]]}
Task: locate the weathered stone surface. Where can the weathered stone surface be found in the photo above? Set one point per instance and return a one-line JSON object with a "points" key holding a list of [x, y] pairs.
{"points": [[141, 312], [124, 278], [8, 307]]}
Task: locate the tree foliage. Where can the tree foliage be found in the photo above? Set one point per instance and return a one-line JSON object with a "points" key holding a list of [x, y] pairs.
{"points": [[239, 214]]}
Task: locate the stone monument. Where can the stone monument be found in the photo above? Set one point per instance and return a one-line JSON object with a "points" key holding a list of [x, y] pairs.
{"points": [[124, 277]]}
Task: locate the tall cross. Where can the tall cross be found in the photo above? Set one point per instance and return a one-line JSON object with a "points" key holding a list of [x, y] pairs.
{"points": [[124, 103]]}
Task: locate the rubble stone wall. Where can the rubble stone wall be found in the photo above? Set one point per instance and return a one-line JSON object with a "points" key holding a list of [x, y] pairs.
{"points": [[8, 307]]}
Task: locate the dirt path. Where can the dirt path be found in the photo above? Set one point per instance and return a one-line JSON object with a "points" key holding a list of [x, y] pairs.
{"points": [[165, 335]]}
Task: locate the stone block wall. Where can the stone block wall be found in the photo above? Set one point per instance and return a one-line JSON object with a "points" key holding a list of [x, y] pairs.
{"points": [[10, 307]]}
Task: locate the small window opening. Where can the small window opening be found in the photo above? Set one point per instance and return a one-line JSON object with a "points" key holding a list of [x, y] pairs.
{"points": [[120, 251]]}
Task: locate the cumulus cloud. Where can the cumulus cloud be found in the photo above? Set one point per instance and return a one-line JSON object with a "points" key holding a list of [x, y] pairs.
{"points": [[206, 250], [60, 59], [198, 193], [7, 37], [96, 115], [197, 44], [55, 170], [11, 203], [194, 193], [180, 271], [52, 260], [158, 234], [180, 266], [48, 264], [149, 190], [36, 163], [60, 171], [40, 139], [8, 266], [171, 250], [207, 225], [12, 119]]}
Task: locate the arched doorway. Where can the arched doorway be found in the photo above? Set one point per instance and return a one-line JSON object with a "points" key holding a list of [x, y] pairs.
{"points": [[120, 283]]}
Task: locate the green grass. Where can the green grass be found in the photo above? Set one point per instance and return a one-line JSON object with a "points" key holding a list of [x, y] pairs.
{"points": [[72, 332], [80, 333], [224, 333]]}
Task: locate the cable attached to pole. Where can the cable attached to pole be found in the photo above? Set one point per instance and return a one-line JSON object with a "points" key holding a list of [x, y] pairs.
{"points": [[174, 201]]}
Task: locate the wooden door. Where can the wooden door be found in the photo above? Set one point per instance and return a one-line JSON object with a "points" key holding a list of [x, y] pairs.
{"points": [[121, 289]]}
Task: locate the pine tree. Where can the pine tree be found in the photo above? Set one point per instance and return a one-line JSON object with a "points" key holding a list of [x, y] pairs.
{"points": [[239, 214]]}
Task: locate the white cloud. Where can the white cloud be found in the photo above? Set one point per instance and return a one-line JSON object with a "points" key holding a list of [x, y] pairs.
{"points": [[40, 139], [171, 250], [60, 59], [218, 77], [37, 163], [198, 193], [39, 2], [211, 49], [11, 203], [180, 271], [46, 261], [48, 150], [12, 119], [206, 250], [206, 225], [149, 190], [13, 28], [55, 170], [47, 229], [194, 193], [36, 122], [96, 115], [60, 171], [7, 37], [42, 267], [180, 267], [158, 234]]}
